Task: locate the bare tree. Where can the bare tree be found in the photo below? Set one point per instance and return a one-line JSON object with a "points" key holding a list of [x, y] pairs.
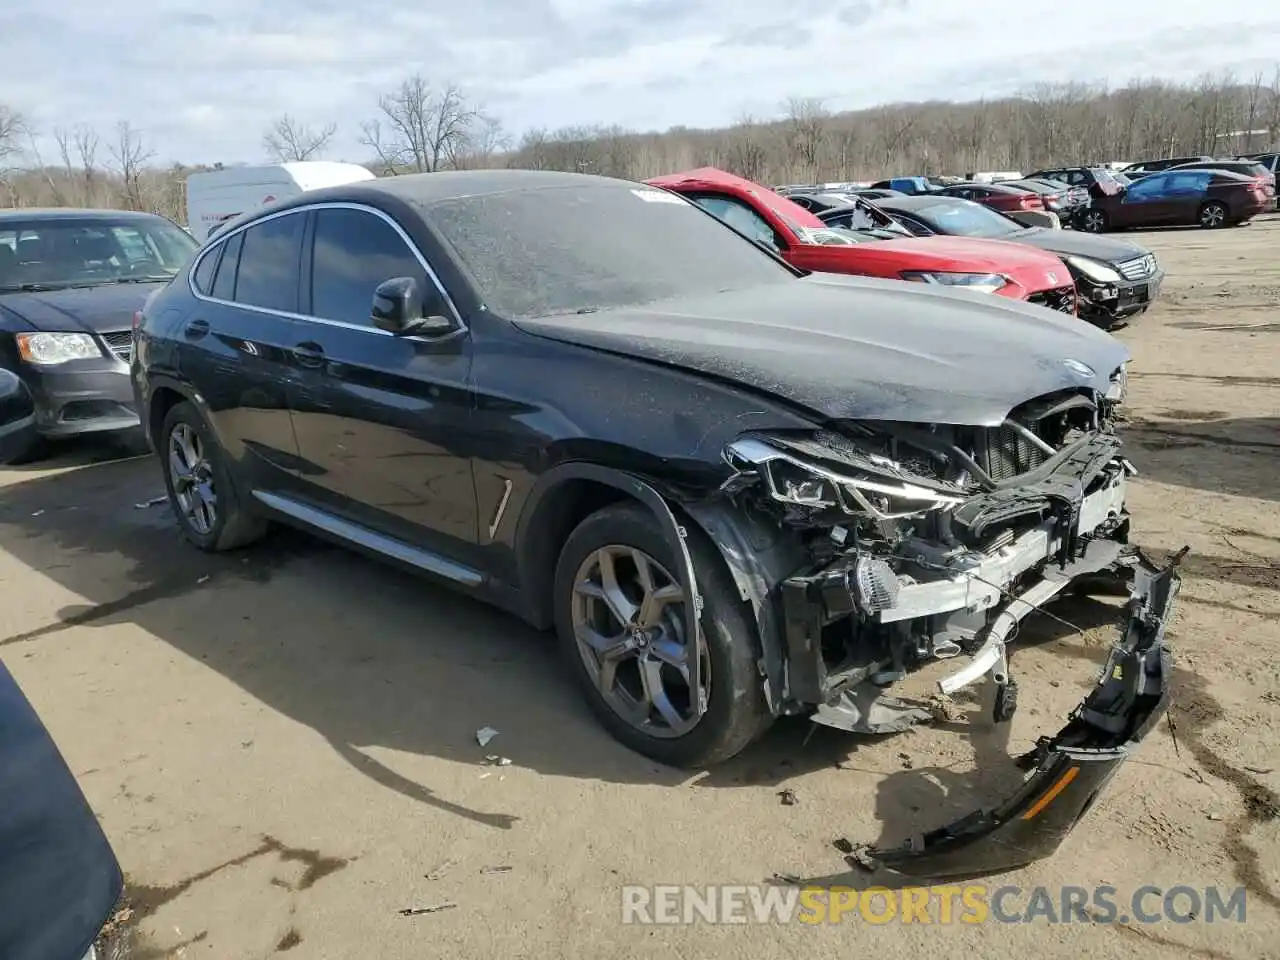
{"points": [[425, 128], [746, 154], [289, 140], [806, 126], [485, 140], [11, 130], [130, 153]]}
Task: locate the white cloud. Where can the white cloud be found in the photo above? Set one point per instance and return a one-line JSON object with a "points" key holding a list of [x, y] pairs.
{"points": [[203, 81]]}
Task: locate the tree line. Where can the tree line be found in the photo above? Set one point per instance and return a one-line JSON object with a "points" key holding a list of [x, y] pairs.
{"points": [[422, 127]]}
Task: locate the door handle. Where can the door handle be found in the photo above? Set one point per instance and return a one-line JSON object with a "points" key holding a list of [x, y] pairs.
{"points": [[196, 329], [309, 354]]}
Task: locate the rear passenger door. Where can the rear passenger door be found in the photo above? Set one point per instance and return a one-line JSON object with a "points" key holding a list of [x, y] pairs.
{"points": [[236, 347], [381, 419]]}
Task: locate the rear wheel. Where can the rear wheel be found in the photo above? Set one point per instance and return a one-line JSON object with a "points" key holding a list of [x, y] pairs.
{"points": [[202, 492], [1213, 215], [1094, 221], [620, 617]]}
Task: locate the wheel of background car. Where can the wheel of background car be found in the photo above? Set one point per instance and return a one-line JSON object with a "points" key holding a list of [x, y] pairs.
{"points": [[1094, 221], [202, 493], [1213, 215], [619, 615]]}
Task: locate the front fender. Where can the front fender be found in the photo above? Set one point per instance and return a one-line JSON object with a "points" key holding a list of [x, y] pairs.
{"points": [[638, 489]]}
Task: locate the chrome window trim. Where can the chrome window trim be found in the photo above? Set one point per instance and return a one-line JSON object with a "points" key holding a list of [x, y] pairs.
{"points": [[325, 205]]}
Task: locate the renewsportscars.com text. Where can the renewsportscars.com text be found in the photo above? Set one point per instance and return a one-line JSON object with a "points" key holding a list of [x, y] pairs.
{"points": [[944, 904]]}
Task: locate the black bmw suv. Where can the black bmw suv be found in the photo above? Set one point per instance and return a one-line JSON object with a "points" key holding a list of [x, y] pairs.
{"points": [[734, 490]]}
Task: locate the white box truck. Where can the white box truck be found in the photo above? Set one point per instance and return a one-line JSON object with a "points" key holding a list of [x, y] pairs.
{"points": [[217, 196]]}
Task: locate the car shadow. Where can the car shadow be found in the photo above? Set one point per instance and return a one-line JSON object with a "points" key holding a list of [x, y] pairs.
{"points": [[1205, 450], [377, 660]]}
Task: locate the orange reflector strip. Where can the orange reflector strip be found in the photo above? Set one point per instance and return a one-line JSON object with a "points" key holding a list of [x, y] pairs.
{"points": [[1052, 792]]}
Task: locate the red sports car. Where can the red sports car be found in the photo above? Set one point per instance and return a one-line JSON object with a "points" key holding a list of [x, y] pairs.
{"points": [[992, 266]]}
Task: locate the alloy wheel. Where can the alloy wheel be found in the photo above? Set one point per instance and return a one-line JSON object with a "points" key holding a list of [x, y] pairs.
{"points": [[1212, 216], [628, 619], [1094, 222], [192, 477]]}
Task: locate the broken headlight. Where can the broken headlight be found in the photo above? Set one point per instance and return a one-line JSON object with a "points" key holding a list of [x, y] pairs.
{"points": [[881, 489]]}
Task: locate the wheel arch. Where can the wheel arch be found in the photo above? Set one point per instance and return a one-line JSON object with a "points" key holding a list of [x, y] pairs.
{"points": [[163, 394], [757, 555]]}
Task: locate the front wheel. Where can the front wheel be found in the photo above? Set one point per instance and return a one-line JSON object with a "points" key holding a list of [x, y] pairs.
{"points": [[1213, 215], [201, 490], [1094, 221], [620, 617]]}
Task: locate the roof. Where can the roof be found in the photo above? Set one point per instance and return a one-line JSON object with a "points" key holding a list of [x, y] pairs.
{"points": [[997, 187], [72, 213], [428, 188]]}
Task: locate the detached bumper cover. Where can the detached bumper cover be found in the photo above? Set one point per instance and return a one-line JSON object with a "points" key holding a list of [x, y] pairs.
{"points": [[1070, 769]]}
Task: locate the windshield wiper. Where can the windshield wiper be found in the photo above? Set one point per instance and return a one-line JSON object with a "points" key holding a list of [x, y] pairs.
{"points": [[154, 279], [29, 287]]}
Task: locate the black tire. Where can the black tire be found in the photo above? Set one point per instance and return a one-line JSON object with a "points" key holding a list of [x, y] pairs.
{"points": [[234, 526], [1095, 221], [737, 713], [1213, 215]]}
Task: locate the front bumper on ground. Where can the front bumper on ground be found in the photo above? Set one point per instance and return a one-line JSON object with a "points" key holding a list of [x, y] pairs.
{"points": [[1070, 769], [82, 396], [1117, 301]]}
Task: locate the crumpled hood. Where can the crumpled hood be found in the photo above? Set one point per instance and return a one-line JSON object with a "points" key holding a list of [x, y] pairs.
{"points": [[1074, 243], [86, 309], [861, 348]]}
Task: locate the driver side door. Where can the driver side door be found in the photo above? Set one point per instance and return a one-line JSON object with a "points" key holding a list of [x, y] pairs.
{"points": [[382, 419]]}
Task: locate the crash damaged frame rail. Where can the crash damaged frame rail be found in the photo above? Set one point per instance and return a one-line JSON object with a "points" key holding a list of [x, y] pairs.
{"points": [[1070, 769]]}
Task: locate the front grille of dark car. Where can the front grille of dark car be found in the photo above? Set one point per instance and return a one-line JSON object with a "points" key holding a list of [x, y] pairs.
{"points": [[1139, 268], [120, 343], [1062, 299], [1009, 453]]}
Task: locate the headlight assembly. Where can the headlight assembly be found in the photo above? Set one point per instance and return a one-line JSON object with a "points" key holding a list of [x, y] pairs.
{"points": [[793, 481], [1095, 270], [1119, 384], [982, 282], [45, 349]]}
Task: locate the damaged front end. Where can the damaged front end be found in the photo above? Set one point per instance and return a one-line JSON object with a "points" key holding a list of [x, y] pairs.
{"points": [[924, 543], [915, 543]]}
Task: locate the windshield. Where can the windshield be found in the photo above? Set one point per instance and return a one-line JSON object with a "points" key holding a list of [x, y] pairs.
{"points": [[963, 218], [41, 254], [584, 248]]}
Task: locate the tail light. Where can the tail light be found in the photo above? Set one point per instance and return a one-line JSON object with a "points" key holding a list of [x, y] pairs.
{"points": [[1030, 202]]}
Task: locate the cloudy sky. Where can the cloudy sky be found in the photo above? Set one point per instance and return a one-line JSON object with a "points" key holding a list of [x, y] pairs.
{"points": [[204, 78]]}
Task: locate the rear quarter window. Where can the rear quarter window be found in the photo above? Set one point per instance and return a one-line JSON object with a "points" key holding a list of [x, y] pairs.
{"points": [[203, 274]]}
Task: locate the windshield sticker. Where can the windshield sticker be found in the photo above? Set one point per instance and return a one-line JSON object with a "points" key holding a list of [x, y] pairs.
{"points": [[659, 196]]}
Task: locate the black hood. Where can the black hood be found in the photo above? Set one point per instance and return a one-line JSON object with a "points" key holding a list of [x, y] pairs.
{"points": [[859, 348], [1073, 243], [77, 309]]}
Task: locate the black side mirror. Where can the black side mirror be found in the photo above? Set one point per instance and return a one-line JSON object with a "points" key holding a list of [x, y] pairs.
{"points": [[400, 307]]}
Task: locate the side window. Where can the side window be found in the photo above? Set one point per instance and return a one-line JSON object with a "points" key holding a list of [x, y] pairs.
{"points": [[203, 277], [1151, 187], [741, 217], [268, 275], [802, 201], [224, 284], [353, 251], [1186, 184]]}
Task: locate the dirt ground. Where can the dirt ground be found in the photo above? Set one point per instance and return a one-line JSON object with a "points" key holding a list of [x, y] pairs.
{"points": [[281, 744]]}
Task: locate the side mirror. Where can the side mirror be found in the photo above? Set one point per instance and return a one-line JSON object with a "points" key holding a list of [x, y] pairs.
{"points": [[400, 307]]}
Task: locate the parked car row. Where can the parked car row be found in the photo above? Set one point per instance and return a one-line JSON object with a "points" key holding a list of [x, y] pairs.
{"points": [[1096, 197]]}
